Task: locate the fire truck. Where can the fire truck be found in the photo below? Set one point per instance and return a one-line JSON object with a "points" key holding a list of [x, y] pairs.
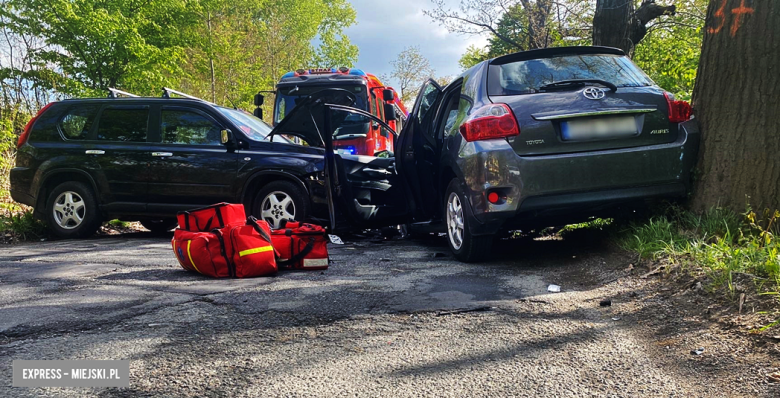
{"points": [[371, 96]]}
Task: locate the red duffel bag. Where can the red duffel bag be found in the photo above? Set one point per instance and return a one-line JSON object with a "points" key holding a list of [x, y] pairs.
{"points": [[301, 246], [252, 252], [202, 252], [238, 251], [206, 219]]}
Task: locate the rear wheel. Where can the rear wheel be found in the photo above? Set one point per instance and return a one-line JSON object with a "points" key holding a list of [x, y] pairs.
{"points": [[159, 226], [279, 201], [72, 211], [465, 246]]}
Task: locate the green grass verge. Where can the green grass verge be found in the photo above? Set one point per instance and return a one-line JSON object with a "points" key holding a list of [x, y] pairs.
{"points": [[719, 243]]}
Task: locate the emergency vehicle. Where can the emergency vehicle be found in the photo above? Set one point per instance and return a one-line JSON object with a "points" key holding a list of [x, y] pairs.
{"points": [[372, 96]]}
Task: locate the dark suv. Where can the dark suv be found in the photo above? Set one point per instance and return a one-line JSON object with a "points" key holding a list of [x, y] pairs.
{"points": [[82, 161]]}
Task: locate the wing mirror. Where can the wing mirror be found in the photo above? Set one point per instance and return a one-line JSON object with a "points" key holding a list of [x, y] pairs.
{"points": [[259, 99], [389, 112], [388, 95], [226, 136]]}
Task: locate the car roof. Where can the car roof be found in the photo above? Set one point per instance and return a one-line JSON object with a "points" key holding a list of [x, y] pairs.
{"points": [[554, 52], [140, 99]]}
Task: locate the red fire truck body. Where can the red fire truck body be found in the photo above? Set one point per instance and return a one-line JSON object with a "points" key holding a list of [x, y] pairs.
{"points": [[371, 96]]}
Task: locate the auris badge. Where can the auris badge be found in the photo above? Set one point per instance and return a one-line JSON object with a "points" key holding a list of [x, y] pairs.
{"points": [[593, 93]]}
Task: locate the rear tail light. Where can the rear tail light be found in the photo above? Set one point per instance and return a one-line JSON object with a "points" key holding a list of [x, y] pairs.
{"points": [[679, 111], [490, 121], [26, 133]]}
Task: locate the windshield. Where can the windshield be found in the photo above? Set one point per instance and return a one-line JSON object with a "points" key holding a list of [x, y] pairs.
{"points": [[525, 77], [287, 96], [254, 128]]}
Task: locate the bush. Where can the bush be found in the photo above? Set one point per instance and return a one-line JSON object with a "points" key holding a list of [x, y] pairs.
{"points": [[19, 224]]}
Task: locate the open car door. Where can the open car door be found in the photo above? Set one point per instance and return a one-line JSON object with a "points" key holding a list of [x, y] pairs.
{"points": [[306, 124], [416, 157], [366, 189]]}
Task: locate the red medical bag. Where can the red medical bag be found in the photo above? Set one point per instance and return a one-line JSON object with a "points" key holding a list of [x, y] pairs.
{"points": [[301, 246], [206, 219], [238, 251]]}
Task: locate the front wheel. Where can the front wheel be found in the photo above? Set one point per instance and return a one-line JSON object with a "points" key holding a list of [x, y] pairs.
{"points": [[465, 246], [280, 201], [72, 211]]}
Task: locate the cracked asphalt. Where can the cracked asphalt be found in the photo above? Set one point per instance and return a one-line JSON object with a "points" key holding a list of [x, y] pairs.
{"points": [[389, 318]]}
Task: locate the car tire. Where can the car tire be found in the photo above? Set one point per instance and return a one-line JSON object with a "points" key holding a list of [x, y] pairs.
{"points": [[465, 246], [72, 211], [159, 227], [278, 201]]}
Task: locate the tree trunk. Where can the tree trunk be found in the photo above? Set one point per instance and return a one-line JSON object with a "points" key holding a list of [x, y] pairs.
{"points": [[617, 24], [737, 103]]}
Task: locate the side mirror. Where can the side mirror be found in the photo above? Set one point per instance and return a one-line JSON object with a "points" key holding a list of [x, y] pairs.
{"points": [[388, 95], [259, 99], [258, 112], [389, 112], [226, 136]]}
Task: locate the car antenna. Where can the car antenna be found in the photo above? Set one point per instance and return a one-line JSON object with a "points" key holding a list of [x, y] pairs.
{"points": [[168, 91], [114, 93]]}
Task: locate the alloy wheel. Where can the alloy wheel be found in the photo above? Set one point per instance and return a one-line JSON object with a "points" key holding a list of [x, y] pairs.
{"points": [[455, 224], [69, 210], [277, 206]]}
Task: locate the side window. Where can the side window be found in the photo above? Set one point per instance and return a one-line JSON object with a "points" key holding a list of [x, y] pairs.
{"points": [[188, 127], [123, 124], [75, 124], [429, 95]]}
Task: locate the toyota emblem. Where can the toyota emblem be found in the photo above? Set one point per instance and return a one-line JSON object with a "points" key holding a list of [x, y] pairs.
{"points": [[593, 93]]}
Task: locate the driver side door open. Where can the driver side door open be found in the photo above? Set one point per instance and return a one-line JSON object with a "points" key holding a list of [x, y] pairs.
{"points": [[367, 190]]}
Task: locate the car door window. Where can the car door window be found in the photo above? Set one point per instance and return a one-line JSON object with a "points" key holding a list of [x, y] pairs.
{"points": [[429, 95], [76, 123], [188, 128], [123, 124]]}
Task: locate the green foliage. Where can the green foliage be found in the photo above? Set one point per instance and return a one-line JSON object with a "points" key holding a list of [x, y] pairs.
{"points": [[218, 49], [473, 56], [719, 242], [670, 51], [20, 225], [95, 44]]}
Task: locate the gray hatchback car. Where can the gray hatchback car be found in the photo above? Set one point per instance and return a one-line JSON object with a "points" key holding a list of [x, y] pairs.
{"points": [[537, 138]]}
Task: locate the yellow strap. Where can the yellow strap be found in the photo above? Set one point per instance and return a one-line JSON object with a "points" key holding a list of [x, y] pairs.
{"points": [[189, 242], [255, 250]]}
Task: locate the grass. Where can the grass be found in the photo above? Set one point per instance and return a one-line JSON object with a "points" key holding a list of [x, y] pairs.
{"points": [[719, 243]]}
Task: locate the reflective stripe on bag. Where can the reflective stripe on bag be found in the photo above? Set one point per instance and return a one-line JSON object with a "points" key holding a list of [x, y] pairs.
{"points": [[255, 250]]}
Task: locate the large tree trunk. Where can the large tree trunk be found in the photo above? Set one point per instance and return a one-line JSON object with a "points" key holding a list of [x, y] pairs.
{"points": [[737, 103], [617, 24]]}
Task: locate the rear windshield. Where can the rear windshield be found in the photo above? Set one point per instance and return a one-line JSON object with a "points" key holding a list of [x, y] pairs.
{"points": [[526, 77]]}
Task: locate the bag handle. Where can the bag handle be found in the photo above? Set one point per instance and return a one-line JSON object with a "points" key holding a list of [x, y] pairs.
{"points": [[298, 257], [251, 220]]}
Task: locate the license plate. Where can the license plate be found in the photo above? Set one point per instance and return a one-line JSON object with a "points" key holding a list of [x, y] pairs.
{"points": [[601, 128]]}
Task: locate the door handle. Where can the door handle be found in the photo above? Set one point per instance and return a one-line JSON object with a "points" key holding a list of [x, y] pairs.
{"points": [[95, 152], [162, 154]]}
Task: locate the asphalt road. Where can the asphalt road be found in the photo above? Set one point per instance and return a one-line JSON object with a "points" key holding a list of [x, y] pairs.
{"points": [[392, 318]]}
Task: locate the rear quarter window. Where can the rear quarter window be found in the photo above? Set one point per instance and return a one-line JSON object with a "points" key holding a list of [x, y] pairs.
{"points": [[77, 121], [526, 77]]}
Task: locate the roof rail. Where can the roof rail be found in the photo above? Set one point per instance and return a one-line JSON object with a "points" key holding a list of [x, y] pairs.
{"points": [[114, 93], [168, 91]]}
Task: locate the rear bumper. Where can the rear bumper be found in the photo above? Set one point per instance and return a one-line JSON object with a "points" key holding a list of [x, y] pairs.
{"points": [[21, 181], [540, 188]]}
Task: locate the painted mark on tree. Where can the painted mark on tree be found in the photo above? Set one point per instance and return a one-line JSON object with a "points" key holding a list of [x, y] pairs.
{"points": [[738, 13]]}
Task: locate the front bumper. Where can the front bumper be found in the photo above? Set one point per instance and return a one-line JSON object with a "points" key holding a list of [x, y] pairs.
{"points": [[554, 186]]}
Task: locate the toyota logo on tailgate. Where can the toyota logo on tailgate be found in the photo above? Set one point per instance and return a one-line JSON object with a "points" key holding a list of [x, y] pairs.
{"points": [[593, 93]]}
